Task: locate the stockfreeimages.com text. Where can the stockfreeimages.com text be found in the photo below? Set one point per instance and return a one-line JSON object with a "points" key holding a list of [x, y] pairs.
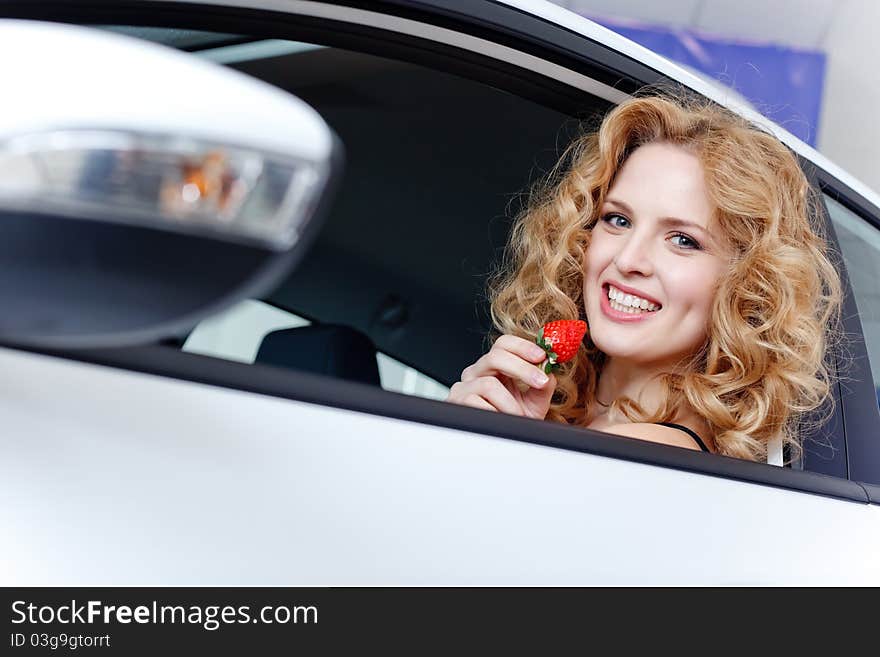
{"points": [[211, 617]]}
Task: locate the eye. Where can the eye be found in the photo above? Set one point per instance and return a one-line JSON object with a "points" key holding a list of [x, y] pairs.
{"points": [[685, 242], [616, 220]]}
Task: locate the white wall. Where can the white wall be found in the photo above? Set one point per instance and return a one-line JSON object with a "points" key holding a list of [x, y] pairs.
{"points": [[845, 30], [849, 126]]}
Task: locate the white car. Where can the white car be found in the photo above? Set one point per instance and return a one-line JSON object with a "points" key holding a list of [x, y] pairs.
{"points": [[296, 436]]}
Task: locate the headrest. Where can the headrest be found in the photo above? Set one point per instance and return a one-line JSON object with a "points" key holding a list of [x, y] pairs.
{"points": [[329, 349]]}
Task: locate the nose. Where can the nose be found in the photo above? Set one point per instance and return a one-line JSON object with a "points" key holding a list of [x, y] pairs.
{"points": [[634, 255]]}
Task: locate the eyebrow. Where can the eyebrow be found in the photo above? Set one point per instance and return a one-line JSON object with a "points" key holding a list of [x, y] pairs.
{"points": [[665, 221]]}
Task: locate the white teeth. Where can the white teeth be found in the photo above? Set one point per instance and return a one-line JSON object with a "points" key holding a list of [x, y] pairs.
{"points": [[629, 303]]}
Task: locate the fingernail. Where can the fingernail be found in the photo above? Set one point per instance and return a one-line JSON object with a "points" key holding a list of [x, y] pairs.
{"points": [[539, 379], [538, 353]]}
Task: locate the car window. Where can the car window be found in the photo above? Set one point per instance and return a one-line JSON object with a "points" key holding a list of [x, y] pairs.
{"points": [[237, 334], [860, 247], [432, 179], [437, 164]]}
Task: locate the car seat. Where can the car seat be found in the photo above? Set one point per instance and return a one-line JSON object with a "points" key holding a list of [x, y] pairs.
{"points": [[328, 349]]}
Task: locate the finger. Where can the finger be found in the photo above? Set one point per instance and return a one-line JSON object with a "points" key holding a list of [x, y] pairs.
{"points": [[519, 347], [525, 349], [501, 362], [536, 402], [494, 391], [475, 401], [456, 393]]}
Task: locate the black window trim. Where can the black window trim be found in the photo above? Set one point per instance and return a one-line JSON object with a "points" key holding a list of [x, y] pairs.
{"points": [[484, 19], [813, 460], [859, 402], [533, 35], [336, 393]]}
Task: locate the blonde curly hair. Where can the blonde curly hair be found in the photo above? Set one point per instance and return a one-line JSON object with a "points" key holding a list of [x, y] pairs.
{"points": [[765, 363]]}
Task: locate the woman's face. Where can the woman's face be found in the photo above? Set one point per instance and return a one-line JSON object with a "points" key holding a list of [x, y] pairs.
{"points": [[654, 260]]}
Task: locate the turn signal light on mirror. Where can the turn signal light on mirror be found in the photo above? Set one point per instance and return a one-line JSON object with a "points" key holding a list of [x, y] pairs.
{"points": [[169, 183]]}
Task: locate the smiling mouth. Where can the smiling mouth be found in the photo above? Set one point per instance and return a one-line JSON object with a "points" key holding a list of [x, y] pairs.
{"points": [[623, 302]]}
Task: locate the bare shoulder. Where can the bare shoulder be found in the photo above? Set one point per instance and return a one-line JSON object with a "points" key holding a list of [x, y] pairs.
{"points": [[656, 433]]}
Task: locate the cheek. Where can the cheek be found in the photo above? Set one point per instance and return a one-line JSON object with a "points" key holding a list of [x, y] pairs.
{"points": [[696, 291], [596, 258], [592, 272]]}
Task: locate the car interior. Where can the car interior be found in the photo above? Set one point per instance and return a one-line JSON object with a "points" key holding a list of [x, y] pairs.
{"points": [[436, 167]]}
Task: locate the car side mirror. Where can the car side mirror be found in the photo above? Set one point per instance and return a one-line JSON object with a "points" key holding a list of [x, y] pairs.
{"points": [[142, 189]]}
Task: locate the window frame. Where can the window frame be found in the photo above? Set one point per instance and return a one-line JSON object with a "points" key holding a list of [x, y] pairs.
{"points": [[861, 416], [835, 464], [487, 20]]}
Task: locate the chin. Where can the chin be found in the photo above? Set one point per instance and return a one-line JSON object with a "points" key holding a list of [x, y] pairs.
{"points": [[640, 350], [628, 355], [617, 349]]}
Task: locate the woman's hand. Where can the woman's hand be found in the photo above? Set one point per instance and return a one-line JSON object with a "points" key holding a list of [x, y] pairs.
{"points": [[492, 382]]}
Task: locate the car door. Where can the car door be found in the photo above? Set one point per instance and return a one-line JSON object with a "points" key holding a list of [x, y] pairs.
{"points": [[157, 465]]}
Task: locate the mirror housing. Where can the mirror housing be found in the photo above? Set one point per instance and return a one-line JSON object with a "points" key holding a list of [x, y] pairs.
{"points": [[143, 189]]}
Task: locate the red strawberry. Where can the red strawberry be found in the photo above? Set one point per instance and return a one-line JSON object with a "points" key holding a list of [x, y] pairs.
{"points": [[561, 340]]}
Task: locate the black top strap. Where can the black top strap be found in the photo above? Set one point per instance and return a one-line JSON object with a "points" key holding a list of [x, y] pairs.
{"points": [[687, 431]]}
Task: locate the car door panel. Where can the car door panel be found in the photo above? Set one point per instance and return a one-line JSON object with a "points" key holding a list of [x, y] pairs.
{"points": [[133, 478]]}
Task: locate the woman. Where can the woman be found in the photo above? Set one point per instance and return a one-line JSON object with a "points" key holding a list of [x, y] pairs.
{"points": [[684, 236]]}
